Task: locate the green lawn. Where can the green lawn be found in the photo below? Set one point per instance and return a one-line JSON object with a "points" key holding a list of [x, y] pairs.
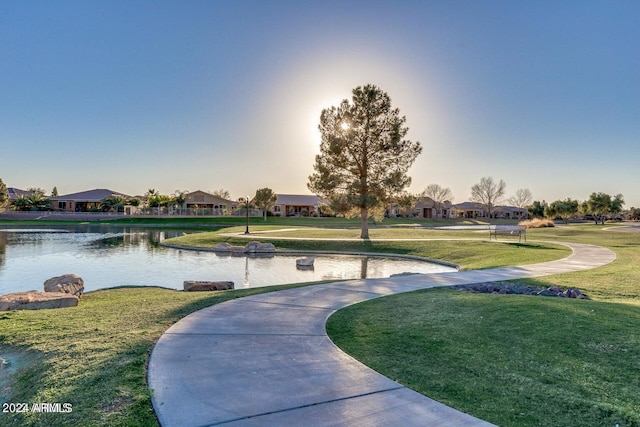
{"points": [[516, 360], [508, 359], [471, 251]]}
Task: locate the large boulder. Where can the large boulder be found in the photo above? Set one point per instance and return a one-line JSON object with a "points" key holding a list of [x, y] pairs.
{"points": [[257, 247], [305, 262], [67, 283], [35, 300], [201, 285]]}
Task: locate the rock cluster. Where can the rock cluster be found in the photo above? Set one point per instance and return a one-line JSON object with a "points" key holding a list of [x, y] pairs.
{"points": [[59, 292], [521, 289], [249, 248], [200, 285]]}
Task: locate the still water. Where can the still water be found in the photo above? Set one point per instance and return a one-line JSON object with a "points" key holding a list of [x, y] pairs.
{"points": [[107, 256]]}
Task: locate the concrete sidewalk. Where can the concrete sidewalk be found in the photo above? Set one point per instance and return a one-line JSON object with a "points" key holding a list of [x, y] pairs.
{"points": [[266, 360]]}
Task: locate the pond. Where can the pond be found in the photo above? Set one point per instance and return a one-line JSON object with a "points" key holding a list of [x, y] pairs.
{"points": [[108, 256]]}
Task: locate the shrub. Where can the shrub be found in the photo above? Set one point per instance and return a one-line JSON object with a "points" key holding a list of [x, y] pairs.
{"points": [[537, 223]]}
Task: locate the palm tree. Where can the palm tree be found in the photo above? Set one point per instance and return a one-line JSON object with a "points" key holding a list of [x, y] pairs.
{"points": [[179, 197], [38, 201], [114, 203], [21, 203]]}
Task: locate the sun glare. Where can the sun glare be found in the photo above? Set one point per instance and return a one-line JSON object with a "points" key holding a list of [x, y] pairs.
{"points": [[345, 126]]}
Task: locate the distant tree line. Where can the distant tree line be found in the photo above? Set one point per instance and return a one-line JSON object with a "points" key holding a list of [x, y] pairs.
{"points": [[598, 207]]}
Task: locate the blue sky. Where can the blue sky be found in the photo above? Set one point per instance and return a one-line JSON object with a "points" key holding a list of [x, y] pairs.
{"points": [[187, 95]]}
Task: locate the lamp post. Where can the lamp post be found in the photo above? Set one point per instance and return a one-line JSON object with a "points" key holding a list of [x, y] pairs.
{"points": [[247, 214]]}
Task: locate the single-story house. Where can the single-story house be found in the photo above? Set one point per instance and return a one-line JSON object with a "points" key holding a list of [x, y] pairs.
{"points": [[478, 210], [206, 201], [510, 212], [83, 201], [297, 205], [471, 210], [426, 207]]}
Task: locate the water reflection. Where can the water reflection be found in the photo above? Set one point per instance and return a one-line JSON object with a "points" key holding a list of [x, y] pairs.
{"points": [[245, 281], [364, 264], [107, 256], [3, 245]]}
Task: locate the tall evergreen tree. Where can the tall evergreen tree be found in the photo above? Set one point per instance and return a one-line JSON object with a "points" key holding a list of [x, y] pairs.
{"points": [[364, 156]]}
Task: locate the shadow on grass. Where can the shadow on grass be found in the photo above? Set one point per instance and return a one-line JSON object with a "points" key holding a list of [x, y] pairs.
{"points": [[18, 366]]}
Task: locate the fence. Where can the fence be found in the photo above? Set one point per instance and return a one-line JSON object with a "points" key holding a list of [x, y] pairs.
{"points": [[164, 211], [140, 213]]}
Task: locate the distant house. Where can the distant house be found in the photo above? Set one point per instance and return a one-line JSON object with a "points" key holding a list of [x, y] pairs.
{"points": [[213, 205], [297, 205], [471, 210], [510, 212], [426, 207], [84, 201], [478, 210]]}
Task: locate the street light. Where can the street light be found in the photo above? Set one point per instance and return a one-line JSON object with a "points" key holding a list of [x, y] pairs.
{"points": [[247, 229]]}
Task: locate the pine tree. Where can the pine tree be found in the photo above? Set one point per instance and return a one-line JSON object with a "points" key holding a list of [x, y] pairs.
{"points": [[364, 157]]}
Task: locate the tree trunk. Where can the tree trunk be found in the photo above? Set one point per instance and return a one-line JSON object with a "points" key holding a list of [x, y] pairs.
{"points": [[364, 223]]}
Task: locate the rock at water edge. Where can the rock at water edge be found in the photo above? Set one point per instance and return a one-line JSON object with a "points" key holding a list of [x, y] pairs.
{"points": [[67, 283], [35, 300]]}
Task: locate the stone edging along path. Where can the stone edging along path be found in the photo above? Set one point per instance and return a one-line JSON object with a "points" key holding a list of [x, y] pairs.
{"points": [[266, 359]]}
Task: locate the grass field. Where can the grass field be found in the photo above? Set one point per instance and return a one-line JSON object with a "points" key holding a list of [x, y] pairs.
{"points": [[93, 356], [516, 360], [470, 249], [511, 360]]}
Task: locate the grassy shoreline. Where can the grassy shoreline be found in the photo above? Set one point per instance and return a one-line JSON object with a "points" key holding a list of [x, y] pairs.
{"points": [[468, 249], [94, 356]]}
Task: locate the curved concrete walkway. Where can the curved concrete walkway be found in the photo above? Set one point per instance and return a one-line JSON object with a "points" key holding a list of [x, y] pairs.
{"points": [[266, 360]]}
